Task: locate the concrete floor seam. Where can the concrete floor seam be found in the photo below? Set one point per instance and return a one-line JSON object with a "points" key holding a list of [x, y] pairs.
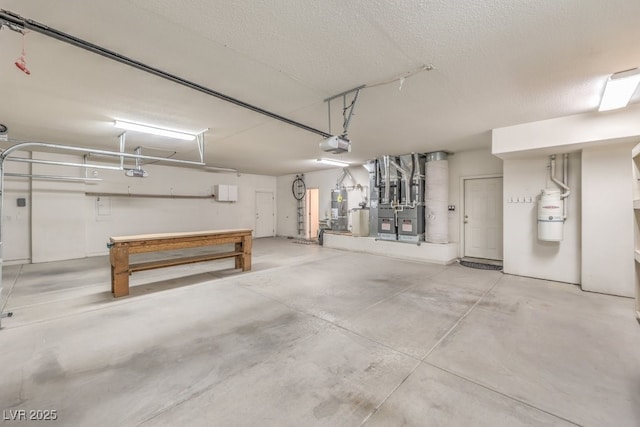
{"points": [[64, 316], [493, 390], [464, 316], [387, 346], [383, 300], [377, 408], [441, 345], [71, 297], [429, 352]]}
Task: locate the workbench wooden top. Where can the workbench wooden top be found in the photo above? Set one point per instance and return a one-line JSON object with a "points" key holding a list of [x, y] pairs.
{"points": [[157, 236]]}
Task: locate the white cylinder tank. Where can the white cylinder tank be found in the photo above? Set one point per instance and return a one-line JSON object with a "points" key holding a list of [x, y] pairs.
{"points": [[437, 198], [550, 219]]}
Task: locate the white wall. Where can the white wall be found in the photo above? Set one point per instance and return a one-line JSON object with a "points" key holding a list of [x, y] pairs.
{"points": [[607, 220], [324, 181], [524, 254], [16, 221], [603, 138], [58, 229], [573, 132], [463, 165], [68, 224]]}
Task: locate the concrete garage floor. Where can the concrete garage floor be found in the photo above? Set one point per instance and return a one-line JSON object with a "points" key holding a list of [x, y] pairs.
{"points": [[314, 336]]}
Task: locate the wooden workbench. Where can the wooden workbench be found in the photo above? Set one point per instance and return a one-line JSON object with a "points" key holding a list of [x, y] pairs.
{"points": [[123, 246]]}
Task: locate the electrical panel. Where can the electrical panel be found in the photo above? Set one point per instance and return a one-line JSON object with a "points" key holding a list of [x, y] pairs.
{"points": [[226, 193]]}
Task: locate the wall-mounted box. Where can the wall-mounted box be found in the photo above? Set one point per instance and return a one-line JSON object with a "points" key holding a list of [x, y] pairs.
{"points": [[226, 193]]}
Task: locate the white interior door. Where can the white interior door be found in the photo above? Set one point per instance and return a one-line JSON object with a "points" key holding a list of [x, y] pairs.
{"points": [[265, 215], [483, 218]]}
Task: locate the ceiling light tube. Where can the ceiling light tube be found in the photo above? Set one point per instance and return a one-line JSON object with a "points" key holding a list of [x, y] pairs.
{"points": [[619, 89], [333, 162], [136, 127]]}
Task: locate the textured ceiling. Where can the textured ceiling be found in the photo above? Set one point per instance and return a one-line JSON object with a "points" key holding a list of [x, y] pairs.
{"points": [[497, 63]]}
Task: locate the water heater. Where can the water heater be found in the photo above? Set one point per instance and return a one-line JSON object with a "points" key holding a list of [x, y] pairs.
{"points": [[550, 217], [339, 214]]}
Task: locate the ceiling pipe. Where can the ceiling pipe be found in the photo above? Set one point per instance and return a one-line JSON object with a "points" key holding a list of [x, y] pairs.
{"points": [[16, 22]]}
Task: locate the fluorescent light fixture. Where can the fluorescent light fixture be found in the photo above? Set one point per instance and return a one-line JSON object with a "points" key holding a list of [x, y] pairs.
{"points": [[333, 162], [136, 127], [619, 89]]}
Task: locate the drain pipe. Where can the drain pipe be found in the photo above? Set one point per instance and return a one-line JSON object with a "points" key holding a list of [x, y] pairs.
{"points": [[561, 184]]}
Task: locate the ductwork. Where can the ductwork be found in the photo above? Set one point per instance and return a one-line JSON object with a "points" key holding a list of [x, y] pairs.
{"points": [[406, 180], [344, 174], [386, 177]]}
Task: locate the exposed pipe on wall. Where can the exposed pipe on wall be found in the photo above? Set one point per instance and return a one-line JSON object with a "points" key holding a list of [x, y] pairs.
{"points": [[562, 184]]}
